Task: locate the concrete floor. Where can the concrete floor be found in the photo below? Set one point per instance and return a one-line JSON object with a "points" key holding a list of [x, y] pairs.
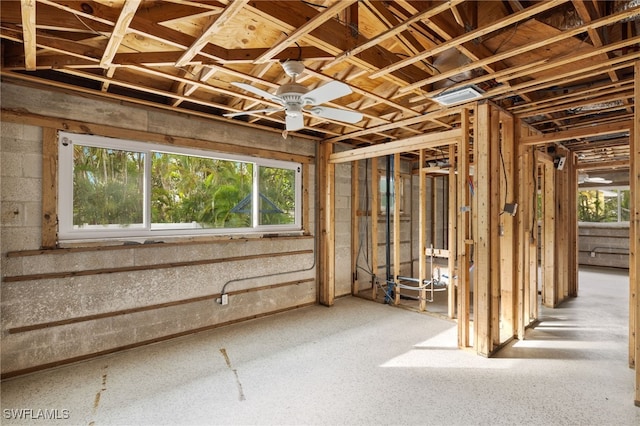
{"points": [[358, 362]]}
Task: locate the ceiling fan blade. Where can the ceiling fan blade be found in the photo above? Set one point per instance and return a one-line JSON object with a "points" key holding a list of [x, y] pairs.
{"points": [[326, 93], [336, 114], [294, 122], [257, 91], [255, 111]]}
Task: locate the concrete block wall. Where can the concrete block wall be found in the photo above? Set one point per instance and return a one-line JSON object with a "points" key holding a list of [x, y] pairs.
{"points": [[343, 229], [64, 305], [603, 244]]}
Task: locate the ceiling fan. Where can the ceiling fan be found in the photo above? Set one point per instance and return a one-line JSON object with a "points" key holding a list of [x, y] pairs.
{"points": [[294, 97], [585, 178]]}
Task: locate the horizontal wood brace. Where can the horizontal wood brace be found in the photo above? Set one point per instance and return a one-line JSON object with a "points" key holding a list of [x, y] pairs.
{"points": [[205, 240], [82, 127], [397, 147], [66, 321], [68, 274]]}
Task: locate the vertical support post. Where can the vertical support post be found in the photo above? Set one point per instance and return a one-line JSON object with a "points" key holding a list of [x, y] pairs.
{"points": [[482, 232], [634, 243], [327, 225], [573, 223], [422, 226], [355, 225], [549, 293], [397, 199], [523, 235], [509, 248], [463, 214], [452, 242], [493, 210], [49, 188], [534, 258], [306, 204], [375, 208]]}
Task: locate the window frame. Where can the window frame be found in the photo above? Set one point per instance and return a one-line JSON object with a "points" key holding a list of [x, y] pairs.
{"points": [[67, 232], [618, 189]]}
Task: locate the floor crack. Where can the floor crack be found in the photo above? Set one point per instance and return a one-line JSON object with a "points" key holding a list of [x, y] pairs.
{"points": [[223, 351]]}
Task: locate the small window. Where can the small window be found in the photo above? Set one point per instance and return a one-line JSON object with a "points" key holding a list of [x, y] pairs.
{"points": [[604, 205], [114, 188]]}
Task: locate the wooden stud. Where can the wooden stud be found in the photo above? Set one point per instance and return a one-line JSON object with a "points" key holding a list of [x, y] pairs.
{"points": [[422, 230], [49, 188], [494, 209], [482, 232], [634, 244], [326, 283], [549, 294], [463, 216], [509, 248], [306, 204], [375, 208], [451, 288], [355, 226], [397, 199]]}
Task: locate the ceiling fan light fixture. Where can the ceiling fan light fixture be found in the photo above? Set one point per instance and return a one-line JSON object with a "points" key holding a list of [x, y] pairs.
{"points": [[464, 94]]}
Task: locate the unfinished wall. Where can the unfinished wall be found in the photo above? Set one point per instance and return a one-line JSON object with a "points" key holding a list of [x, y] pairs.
{"points": [[604, 244], [64, 305]]}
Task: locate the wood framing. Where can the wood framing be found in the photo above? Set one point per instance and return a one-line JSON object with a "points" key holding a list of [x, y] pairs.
{"points": [[355, 226], [375, 208], [452, 241], [422, 228], [49, 188], [482, 275], [397, 147], [326, 252], [463, 222], [397, 249], [634, 258]]}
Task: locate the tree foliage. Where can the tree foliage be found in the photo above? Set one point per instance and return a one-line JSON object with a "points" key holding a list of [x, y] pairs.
{"points": [[185, 189]]}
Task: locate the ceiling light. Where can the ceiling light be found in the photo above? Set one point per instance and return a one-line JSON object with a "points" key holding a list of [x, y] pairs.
{"points": [[464, 94]]}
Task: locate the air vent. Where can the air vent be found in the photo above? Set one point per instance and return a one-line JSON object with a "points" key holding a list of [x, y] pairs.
{"points": [[457, 96]]}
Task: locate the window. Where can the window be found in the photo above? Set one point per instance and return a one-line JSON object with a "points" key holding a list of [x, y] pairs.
{"points": [[392, 194], [116, 188], [603, 205]]}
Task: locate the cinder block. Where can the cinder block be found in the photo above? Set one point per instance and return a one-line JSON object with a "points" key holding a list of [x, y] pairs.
{"points": [[11, 164]]}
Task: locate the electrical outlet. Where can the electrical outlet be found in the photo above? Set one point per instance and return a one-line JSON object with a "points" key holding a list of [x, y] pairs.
{"points": [[224, 299]]}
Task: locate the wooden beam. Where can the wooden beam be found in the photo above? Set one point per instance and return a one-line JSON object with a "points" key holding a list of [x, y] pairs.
{"points": [[119, 30], [608, 20], [49, 188], [391, 32], [605, 129], [28, 10], [396, 147], [471, 35], [85, 127], [196, 47], [305, 29]]}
